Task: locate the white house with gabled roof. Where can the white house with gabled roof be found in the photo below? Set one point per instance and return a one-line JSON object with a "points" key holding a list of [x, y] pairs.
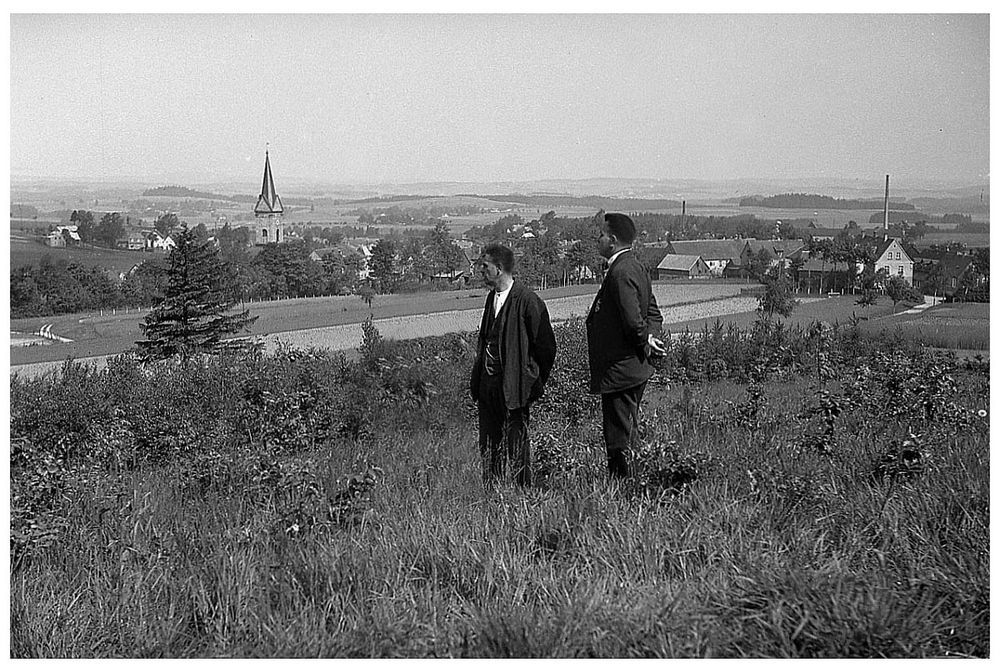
{"points": [[891, 256]]}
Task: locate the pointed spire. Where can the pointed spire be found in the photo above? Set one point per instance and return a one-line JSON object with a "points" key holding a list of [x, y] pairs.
{"points": [[268, 202]]}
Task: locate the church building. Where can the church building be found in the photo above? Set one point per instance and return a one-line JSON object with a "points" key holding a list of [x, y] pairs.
{"points": [[268, 210]]}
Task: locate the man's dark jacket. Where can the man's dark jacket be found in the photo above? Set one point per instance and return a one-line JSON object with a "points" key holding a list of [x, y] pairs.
{"points": [[527, 346], [623, 315]]}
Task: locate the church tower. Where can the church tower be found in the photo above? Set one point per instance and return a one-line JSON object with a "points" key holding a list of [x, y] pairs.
{"points": [[268, 210]]}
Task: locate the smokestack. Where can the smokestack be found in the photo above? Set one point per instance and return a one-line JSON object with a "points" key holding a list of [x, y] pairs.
{"points": [[683, 208], [886, 229]]}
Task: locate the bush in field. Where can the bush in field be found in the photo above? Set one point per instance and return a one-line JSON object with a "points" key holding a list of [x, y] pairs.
{"points": [[898, 289], [778, 296], [37, 484]]}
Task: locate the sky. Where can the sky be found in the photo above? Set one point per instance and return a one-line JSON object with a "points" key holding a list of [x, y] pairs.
{"points": [[388, 98]]}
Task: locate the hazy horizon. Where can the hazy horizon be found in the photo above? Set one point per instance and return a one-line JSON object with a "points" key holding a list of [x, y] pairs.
{"points": [[424, 99]]}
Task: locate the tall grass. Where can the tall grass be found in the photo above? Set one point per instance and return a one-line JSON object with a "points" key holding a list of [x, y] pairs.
{"points": [[743, 535], [974, 336]]}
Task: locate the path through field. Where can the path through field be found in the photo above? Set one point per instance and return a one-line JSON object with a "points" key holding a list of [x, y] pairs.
{"points": [[347, 336]]}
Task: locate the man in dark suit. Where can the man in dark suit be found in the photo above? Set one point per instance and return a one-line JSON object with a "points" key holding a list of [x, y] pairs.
{"points": [[621, 336], [516, 350]]}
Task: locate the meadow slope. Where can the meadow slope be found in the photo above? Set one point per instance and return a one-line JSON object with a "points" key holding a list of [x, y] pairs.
{"points": [[807, 493]]}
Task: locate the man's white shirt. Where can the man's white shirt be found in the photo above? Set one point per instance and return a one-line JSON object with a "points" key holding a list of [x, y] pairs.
{"points": [[614, 256], [498, 300]]}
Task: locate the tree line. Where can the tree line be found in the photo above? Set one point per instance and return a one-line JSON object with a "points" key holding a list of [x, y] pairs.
{"points": [[817, 202]]}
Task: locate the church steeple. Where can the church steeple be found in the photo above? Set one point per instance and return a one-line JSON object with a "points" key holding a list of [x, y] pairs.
{"points": [[268, 203], [268, 210]]}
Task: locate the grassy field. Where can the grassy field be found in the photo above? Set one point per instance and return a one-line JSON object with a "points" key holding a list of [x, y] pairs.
{"points": [[28, 251], [302, 507], [831, 309], [952, 326], [94, 335]]}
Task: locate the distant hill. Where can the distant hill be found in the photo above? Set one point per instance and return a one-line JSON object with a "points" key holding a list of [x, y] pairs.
{"points": [[596, 202], [184, 192], [817, 202], [973, 205]]}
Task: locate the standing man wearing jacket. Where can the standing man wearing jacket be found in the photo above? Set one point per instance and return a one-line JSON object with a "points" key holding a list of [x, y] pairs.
{"points": [[515, 353], [621, 335]]}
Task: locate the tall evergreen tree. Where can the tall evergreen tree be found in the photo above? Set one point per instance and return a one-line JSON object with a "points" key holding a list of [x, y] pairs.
{"points": [[191, 318]]}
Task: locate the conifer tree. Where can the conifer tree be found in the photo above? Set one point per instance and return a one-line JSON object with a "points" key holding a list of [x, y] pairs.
{"points": [[191, 318]]}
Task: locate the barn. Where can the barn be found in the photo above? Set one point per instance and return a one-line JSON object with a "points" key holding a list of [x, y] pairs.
{"points": [[682, 266]]}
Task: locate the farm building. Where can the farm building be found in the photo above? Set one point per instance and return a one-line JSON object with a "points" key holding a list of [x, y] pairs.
{"points": [[718, 255], [682, 266], [55, 239], [157, 242], [650, 257], [819, 233], [821, 275], [786, 250], [135, 240], [63, 234], [345, 249], [945, 274]]}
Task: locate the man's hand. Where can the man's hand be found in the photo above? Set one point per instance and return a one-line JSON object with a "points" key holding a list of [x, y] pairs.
{"points": [[655, 346]]}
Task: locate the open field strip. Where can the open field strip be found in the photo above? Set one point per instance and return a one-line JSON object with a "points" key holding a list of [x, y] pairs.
{"points": [[695, 302], [347, 336], [95, 335]]}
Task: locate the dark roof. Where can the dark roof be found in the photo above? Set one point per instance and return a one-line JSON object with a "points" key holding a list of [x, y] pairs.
{"points": [[786, 247], [730, 249], [651, 256], [927, 253], [885, 244], [268, 203], [817, 265], [955, 265]]}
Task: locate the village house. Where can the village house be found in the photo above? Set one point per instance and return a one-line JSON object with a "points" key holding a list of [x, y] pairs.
{"points": [[55, 239], [822, 275], [343, 249], [58, 237], [892, 257], [650, 257], [718, 255], [781, 251], [682, 266], [134, 240], [819, 233], [157, 242], [940, 272], [465, 269]]}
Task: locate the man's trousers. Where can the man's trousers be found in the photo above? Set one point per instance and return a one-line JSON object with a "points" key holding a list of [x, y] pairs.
{"points": [[503, 435], [620, 411]]}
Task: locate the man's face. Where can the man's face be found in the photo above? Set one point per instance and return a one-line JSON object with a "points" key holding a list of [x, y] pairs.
{"points": [[489, 271], [606, 242]]}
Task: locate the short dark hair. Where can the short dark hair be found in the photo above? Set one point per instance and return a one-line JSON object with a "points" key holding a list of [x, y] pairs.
{"points": [[621, 225], [500, 255]]}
